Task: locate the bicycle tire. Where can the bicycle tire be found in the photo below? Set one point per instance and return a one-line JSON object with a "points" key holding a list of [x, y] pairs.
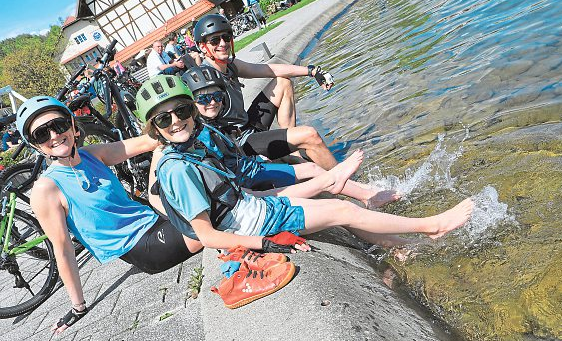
{"points": [[18, 301], [18, 174]]}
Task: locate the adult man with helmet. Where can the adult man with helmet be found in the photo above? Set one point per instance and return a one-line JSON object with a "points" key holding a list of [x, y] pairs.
{"points": [[213, 34]]}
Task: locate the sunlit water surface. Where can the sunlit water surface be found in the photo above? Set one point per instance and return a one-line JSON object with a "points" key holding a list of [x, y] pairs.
{"points": [[451, 99]]}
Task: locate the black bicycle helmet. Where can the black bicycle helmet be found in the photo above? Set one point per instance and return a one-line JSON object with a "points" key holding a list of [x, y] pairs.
{"points": [[209, 24], [200, 77]]}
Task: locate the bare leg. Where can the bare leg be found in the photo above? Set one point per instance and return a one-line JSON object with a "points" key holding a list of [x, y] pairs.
{"points": [[369, 196], [307, 138], [280, 92], [320, 214], [331, 181]]}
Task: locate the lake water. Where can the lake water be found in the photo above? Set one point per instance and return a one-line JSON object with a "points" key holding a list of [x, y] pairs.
{"points": [[452, 99]]}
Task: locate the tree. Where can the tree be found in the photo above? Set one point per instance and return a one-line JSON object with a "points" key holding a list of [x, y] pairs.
{"points": [[32, 72]]}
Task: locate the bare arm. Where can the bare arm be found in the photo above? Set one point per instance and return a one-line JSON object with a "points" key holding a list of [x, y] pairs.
{"points": [[210, 237], [47, 205], [250, 70], [117, 152]]}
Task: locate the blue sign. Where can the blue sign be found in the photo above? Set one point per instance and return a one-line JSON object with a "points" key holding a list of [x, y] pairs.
{"points": [[97, 36]]}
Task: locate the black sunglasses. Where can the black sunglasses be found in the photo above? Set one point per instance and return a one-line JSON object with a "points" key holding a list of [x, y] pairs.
{"points": [[227, 37], [42, 133], [205, 99], [164, 119]]}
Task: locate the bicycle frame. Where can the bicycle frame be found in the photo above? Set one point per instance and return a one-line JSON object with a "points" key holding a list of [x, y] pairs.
{"points": [[6, 229]]}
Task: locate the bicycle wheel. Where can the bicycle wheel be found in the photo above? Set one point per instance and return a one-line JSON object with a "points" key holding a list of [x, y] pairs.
{"points": [[18, 174], [26, 280]]}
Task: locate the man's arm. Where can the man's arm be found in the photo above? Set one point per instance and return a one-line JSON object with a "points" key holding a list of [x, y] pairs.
{"points": [[250, 70]]}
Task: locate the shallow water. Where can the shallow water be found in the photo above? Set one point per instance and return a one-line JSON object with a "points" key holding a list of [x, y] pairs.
{"points": [[452, 99]]}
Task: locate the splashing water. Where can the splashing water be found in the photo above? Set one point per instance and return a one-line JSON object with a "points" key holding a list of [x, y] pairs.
{"points": [[488, 212], [435, 171]]}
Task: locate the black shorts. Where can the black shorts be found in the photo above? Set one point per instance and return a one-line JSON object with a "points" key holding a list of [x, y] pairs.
{"points": [[271, 144], [262, 112], [161, 248]]}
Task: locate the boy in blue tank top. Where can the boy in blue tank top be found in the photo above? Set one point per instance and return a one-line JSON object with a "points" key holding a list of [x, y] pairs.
{"points": [[79, 193]]}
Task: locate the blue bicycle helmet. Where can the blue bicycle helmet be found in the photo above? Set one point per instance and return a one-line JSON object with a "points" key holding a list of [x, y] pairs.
{"points": [[32, 108]]}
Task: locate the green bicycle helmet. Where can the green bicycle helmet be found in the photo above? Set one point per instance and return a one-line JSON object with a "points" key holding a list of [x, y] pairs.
{"points": [[32, 108], [157, 90]]}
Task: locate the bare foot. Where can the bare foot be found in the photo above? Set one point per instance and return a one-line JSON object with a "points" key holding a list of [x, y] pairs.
{"points": [[381, 198], [342, 171], [451, 219]]}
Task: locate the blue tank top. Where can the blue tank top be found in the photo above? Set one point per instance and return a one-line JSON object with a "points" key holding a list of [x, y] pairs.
{"points": [[103, 217]]}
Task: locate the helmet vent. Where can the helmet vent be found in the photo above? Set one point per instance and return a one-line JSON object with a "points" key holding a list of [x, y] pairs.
{"points": [[158, 88], [145, 95], [171, 82], [195, 77], [206, 74]]}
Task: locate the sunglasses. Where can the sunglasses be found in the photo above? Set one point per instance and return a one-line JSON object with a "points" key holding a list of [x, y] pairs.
{"points": [[205, 99], [164, 119], [227, 37], [42, 133]]}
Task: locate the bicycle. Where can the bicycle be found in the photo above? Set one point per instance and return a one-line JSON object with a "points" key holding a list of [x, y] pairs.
{"points": [[96, 128], [28, 272]]}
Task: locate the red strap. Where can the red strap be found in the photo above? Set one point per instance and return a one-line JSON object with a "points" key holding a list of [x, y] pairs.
{"points": [[286, 238]]}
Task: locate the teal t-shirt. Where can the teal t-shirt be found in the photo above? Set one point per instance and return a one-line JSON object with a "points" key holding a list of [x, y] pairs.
{"points": [[182, 183]]}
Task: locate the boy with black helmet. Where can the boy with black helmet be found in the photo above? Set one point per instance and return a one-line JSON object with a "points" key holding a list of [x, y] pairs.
{"points": [[211, 99], [213, 35]]}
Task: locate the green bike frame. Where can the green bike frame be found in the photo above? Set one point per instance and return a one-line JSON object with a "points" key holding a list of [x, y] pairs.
{"points": [[6, 231]]}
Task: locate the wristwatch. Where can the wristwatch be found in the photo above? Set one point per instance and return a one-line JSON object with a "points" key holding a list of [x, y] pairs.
{"points": [[310, 68]]}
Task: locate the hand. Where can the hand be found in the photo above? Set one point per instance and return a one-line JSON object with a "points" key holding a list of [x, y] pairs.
{"points": [[324, 78], [284, 242], [69, 319]]}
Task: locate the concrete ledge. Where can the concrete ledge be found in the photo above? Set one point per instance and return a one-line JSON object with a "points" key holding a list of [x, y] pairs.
{"points": [[289, 39], [335, 295]]}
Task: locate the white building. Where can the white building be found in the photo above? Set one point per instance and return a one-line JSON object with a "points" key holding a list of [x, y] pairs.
{"points": [[136, 24], [85, 41]]}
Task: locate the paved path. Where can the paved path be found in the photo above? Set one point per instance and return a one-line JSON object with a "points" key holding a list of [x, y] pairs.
{"points": [[129, 305]]}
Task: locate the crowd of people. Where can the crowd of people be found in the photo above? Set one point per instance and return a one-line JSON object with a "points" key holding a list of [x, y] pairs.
{"points": [[210, 175]]}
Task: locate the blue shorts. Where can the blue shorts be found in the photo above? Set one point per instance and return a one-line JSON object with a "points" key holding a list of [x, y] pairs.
{"points": [[274, 174], [281, 216]]}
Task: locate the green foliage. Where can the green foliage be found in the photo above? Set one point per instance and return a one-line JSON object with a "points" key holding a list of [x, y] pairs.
{"points": [[31, 72], [165, 316], [195, 281], [28, 59], [290, 9], [242, 43], [264, 4], [7, 157]]}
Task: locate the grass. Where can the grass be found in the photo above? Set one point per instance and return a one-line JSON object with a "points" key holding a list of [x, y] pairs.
{"points": [[242, 43], [195, 281], [289, 10]]}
